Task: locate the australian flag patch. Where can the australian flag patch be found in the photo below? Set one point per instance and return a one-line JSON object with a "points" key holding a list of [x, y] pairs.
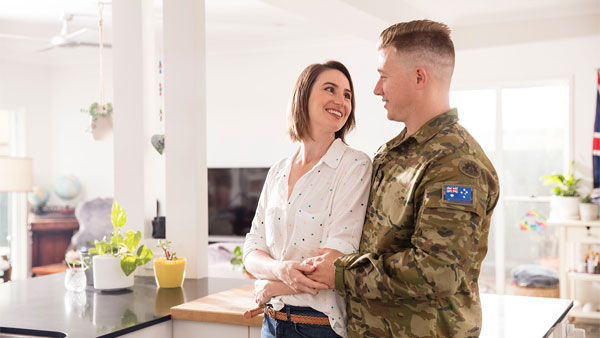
{"points": [[458, 194]]}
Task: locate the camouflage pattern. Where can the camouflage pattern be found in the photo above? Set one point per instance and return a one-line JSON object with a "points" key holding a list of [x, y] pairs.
{"points": [[420, 256]]}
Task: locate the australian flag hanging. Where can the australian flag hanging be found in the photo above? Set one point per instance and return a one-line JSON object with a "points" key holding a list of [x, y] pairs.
{"points": [[596, 146]]}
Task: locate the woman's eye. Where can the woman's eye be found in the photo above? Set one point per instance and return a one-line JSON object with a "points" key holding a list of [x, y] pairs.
{"points": [[347, 96], [329, 89]]}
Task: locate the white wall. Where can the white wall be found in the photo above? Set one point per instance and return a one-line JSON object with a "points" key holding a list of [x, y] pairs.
{"points": [[56, 136], [573, 60]]}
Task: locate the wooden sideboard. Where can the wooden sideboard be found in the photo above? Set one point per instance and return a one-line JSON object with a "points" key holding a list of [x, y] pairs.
{"points": [[51, 237]]}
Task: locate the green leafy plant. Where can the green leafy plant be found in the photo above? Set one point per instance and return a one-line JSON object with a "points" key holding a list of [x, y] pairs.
{"points": [[166, 247], [74, 260], [126, 247], [565, 186], [96, 110], [236, 260], [587, 199]]}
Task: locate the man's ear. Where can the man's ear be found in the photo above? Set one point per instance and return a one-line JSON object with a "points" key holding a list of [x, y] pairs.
{"points": [[422, 77]]}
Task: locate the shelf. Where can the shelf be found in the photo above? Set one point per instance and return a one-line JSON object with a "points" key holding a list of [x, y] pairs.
{"points": [[584, 276], [581, 314], [595, 223]]}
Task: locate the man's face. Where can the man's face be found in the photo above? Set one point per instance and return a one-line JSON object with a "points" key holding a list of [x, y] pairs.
{"points": [[396, 84]]}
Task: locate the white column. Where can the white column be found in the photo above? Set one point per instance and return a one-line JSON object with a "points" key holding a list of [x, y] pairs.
{"points": [[185, 132], [135, 113]]}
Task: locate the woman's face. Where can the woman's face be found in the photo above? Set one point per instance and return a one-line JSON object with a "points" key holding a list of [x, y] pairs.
{"points": [[329, 103]]}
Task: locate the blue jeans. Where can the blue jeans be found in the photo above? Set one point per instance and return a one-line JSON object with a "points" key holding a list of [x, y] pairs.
{"points": [[273, 328]]}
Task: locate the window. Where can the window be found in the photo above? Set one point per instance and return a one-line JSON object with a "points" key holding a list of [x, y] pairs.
{"points": [[524, 132]]}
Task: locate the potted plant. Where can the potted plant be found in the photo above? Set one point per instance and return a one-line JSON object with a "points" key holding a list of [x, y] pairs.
{"points": [[75, 279], [237, 262], [169, 271], [588, 209], [565, 201], [118, 258], [101, 123]]}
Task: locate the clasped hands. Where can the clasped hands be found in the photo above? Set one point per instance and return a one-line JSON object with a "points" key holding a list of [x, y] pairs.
{"points": [[310, 276]]}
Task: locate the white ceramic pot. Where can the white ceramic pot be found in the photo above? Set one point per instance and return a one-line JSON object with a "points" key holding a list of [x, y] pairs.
{"points": [[102, 128], [564, 208], [108, 274], [588, 211]]}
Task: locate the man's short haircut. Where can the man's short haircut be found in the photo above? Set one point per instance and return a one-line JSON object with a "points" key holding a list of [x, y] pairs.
{"points": [[428, 41], [298, 120]]}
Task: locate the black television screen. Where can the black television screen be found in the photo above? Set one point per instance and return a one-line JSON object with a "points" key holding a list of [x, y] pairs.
{"points": [[233, 195]]}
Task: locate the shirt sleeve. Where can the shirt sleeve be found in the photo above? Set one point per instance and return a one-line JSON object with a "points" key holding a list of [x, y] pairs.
{"points": [[256, 239], [349, 205], [443, 247]]}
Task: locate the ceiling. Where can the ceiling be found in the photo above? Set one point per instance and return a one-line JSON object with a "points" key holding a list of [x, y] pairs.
{"points": [[253, 25]]}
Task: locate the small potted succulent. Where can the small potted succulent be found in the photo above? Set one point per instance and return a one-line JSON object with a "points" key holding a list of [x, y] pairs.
{"points": [[101, 124], [75, 279], [588, 210], [565, 201], [169, 271], [116, 258]]}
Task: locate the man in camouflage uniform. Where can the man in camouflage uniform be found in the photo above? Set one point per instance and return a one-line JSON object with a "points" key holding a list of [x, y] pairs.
{"points": [[432, 196]]}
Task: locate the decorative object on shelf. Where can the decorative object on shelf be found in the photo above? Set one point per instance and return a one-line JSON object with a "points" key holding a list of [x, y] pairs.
{"points": [[118, 257], [158, 142], [588, 210], [38, 197], [596, 137], [101, 123], [533, 221], [592, 259], [565, 201], [75, 279], [169, 271]]}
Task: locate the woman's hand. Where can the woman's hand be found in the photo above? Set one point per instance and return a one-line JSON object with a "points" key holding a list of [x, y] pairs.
{"points": [[262, 291], [292, 274]]}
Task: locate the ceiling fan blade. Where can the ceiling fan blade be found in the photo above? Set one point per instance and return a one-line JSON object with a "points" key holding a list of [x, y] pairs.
{"points": [[47, 49], [75, 34], [21, 37], [91, 44]]}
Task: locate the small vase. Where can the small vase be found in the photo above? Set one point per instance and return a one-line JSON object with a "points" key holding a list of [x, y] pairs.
{"points": [[75, 279], [588, 211], [102, 127]]}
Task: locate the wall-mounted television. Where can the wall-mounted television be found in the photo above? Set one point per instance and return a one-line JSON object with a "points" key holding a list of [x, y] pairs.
{"points": [[233, 195]]}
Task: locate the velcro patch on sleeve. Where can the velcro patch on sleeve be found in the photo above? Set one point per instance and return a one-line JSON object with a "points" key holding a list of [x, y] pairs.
{"points": [[459, 194]]}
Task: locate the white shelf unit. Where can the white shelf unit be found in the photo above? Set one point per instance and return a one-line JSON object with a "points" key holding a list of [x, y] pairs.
{"points": [[574, 233]]}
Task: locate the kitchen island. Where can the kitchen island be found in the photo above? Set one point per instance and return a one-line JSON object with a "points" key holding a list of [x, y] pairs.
{"points": [[43, 304], [206, 307]]}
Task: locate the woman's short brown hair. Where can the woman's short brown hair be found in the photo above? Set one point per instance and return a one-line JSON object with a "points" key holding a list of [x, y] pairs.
{"points": [[298, 112]]}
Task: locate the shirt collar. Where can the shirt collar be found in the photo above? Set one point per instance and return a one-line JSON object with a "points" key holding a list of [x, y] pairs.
{"points": [[427, 131], [333, 156]]}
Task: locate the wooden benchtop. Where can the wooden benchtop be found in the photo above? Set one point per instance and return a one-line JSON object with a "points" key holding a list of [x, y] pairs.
{"points": [[225, 307]]}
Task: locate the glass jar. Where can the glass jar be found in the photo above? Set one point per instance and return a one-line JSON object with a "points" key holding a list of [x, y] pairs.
{"points": [[75, 279]]}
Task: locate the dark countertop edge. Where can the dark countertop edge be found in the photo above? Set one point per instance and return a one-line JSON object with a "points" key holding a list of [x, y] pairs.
{"points": [[136, 327], [560, 319], [40, 333]]}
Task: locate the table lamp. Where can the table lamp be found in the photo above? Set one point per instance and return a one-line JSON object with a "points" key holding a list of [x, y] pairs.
{"points": [[16, 176]]}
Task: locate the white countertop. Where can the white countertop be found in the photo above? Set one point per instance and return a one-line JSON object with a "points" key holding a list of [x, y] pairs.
{"points": [[516, 316]]}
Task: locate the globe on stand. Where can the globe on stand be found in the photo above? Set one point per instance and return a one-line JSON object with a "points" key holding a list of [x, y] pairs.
{"points": [[67, 188], [38, 198]]}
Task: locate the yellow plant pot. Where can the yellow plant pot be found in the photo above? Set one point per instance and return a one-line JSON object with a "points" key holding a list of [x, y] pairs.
{"points": [[169, 274]]}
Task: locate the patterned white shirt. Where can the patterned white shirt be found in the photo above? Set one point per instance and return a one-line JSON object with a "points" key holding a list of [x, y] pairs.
{"points": [[325, 210]]}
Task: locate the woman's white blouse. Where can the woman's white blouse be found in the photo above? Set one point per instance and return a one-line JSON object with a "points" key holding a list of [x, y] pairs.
{"points": [[325, 210]]}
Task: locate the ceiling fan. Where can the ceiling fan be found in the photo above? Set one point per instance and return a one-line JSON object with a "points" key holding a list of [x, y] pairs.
{"points": [[65, 38]]}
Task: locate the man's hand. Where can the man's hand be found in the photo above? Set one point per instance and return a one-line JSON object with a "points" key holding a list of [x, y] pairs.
{"points": [[292, 274], [324, 270]]}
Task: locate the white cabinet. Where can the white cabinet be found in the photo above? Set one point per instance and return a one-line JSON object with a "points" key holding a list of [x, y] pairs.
{"points": [[161, 330], [193, 329], [575, 238]]}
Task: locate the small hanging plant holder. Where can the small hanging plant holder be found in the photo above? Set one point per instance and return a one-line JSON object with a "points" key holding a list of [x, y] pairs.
{"points": [[101, 124]]}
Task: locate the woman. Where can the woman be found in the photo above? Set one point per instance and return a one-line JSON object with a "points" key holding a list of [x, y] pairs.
{"points": [[315, 199]]}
